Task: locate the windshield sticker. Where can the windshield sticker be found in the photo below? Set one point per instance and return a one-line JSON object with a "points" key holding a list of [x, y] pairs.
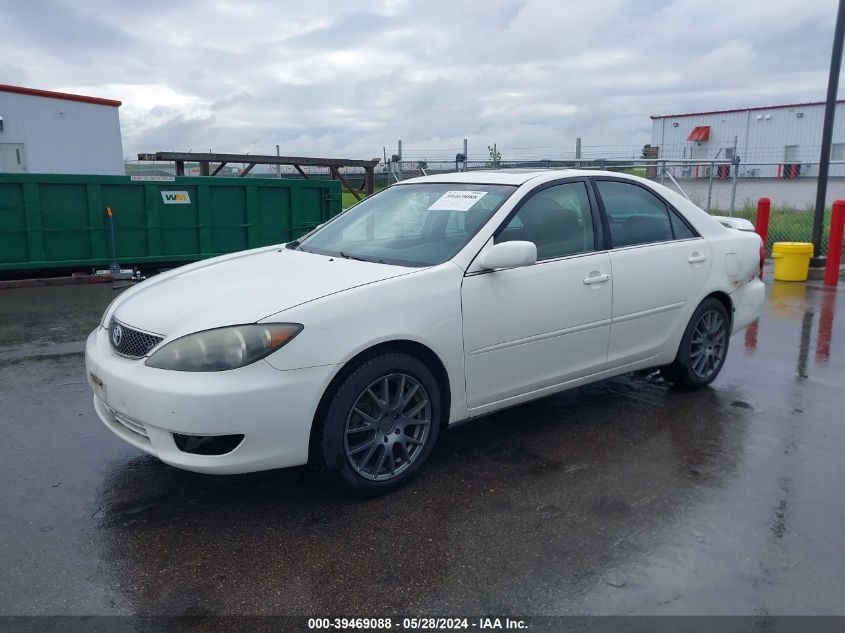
{"points": [[457, 200]]}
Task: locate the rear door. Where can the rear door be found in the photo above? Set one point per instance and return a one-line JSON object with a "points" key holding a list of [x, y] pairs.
{"points": [[659, 267]]}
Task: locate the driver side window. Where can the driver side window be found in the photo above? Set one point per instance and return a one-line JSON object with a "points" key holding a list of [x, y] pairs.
{"points": [[557, 219]]}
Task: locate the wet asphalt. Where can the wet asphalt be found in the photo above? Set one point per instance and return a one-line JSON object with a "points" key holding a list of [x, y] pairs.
{"points": [[624, 497]]}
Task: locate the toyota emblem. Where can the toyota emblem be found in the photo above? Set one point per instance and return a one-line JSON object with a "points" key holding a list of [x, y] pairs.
{"points": [[116, 335]]}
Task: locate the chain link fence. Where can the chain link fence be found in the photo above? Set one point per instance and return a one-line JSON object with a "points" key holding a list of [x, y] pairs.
{"points": [[720, 187]]}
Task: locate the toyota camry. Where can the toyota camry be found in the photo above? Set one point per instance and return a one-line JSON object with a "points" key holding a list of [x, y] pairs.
{"points": [[437, 300]]}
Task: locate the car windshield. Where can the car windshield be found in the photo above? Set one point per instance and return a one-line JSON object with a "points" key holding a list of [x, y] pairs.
{"points": [[410, 225]]}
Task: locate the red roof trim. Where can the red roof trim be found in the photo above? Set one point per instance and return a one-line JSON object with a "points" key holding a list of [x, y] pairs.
{"points": [[753, 109], [49, 94]]}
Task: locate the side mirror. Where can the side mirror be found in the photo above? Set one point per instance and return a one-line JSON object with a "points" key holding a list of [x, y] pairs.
{"points": [[509, 255]]}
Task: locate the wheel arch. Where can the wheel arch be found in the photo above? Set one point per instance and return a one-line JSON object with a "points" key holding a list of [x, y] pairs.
{"points": [[418, 350], [725, 299], [722, 297], [678, 371]]}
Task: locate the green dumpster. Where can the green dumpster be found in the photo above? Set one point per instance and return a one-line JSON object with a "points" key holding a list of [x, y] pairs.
{"points": [[61, 221]]}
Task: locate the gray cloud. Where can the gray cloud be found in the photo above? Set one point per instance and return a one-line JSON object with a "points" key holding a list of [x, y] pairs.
{"points": [[345, 78]]}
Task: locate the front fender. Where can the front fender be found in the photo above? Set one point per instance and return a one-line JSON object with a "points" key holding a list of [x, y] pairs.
{"points": [[424, 308]]}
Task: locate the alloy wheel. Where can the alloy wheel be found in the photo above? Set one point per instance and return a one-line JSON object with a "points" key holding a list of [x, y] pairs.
{"points": [[708, 344], [387, 427]]}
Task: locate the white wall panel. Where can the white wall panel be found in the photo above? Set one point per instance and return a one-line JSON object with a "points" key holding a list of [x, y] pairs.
{"points": [[62, 136]]}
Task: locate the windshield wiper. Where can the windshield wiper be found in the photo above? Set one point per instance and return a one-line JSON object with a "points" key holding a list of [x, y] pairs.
{"points": [[360, 259], [348, 256], [292, 245]]}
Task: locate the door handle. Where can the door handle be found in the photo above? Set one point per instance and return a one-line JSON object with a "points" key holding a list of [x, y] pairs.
{"points": [[598, 279], [695, 258]]}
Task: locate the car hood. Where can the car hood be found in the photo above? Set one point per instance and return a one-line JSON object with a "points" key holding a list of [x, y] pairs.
{"points": [[241, 288]]}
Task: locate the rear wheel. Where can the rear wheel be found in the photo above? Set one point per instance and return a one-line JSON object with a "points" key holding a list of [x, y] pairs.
{"points": [[379, 426], [703, 348]]}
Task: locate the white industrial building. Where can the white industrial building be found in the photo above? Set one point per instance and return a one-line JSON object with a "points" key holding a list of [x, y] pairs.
{"points": [[44, 132], [780, 141]]}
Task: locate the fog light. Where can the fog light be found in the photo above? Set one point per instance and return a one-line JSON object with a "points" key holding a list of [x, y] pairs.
{"points": [[207, 444]]}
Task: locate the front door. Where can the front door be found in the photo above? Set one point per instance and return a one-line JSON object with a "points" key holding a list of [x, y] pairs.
{"points": [[538, 326]]}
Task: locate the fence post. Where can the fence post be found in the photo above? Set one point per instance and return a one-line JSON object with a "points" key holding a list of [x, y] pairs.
{"points": [[662, 172], [735, 165], [761, 222], [710, 187], [834, 245]]}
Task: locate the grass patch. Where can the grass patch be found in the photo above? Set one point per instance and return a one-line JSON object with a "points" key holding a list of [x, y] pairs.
{"points": [[632, 171], [786, 224], [347, 199]]}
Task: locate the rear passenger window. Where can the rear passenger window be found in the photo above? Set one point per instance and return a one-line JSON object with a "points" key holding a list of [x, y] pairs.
{"points": [[636, 216], [679, 227]]}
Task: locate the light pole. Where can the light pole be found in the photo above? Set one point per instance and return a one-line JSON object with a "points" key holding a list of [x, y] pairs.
{"points": [[827, 133]]}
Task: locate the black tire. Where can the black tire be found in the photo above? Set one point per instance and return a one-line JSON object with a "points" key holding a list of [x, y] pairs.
{"points": [[689, 369], [336, 423]]}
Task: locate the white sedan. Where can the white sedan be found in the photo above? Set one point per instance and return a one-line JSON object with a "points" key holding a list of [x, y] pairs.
{"points": [[439, 299]]}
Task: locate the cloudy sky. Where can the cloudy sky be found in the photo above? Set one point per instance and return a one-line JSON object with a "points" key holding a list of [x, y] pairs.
{"points": [[344, 79]]}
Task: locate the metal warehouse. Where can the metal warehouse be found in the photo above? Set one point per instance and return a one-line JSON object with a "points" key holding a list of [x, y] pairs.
{"points": [[48, 132], [771, 141]]}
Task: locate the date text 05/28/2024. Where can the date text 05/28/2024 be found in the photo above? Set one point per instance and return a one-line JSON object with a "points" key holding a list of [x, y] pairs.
{"points": [[422, 624]]}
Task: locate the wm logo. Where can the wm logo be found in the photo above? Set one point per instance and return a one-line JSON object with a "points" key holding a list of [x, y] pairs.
{"points": [[175, 197]]}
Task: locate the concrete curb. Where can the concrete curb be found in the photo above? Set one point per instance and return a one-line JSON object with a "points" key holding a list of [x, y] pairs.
{"points": [[54, 281], [818, 273]]}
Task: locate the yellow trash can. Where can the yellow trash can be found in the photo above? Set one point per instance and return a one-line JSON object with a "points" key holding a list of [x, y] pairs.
{"points": [[792, 260]]}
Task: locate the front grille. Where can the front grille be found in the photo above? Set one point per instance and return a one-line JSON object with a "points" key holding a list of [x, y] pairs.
{"points": [[129, 342]]}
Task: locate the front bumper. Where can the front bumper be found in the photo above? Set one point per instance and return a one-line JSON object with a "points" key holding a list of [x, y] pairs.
{"points": [[273, 409]]}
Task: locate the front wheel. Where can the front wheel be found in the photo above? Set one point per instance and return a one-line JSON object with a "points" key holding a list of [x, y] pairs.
{"points": [[380, 425], [703, 348]]}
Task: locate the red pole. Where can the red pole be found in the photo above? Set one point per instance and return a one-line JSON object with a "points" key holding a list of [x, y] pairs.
{"points": [[761, 223], [834, 245]]}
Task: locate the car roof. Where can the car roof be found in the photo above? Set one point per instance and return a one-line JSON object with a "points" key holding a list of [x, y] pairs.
{"points": [[504, 176]]}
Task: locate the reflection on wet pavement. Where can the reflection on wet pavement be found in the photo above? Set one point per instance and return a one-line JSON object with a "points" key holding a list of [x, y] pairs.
{"points": [[622, 497]]}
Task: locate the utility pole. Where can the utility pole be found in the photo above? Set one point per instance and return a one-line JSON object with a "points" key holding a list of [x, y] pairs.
{"points": [[827, 133], [278, 167], [578, 148]]}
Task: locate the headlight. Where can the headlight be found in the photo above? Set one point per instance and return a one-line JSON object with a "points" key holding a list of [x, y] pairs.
{"points": [[223, 348]]}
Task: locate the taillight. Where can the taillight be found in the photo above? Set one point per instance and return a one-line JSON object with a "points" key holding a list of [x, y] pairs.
{"points": [[762, 258]]}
